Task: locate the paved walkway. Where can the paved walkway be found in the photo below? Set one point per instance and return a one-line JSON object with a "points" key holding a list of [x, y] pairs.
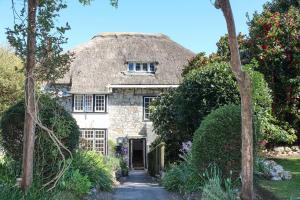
{"points": [[140, 186]]}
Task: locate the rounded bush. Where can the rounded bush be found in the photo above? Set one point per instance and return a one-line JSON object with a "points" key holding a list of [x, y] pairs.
{"points": [[47, 159], [218, 141], [94, 166]]}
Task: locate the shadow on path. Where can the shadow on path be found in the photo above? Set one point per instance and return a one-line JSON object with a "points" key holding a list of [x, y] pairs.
{"points": [[140, 186]]}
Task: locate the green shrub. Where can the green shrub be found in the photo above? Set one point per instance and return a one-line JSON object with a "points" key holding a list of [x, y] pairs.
{"points": [[218, 141], [178, 113], [124, 167], [215, 188], [47, 158], [182, 178], [76, 183], [94, 166], [9, 191]]}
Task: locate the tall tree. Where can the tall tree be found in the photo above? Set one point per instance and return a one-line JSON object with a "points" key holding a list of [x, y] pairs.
{"points": [[244, 84], [274, 43], [38, 41]]}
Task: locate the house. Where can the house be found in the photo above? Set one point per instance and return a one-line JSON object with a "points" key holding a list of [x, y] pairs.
{"points": [[111, 82]]}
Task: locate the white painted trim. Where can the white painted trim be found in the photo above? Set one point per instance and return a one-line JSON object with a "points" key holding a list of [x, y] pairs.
{"points": [[142, 86]]}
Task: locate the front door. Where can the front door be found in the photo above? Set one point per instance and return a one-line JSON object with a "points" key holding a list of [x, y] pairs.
{"points": [[137, 153]]}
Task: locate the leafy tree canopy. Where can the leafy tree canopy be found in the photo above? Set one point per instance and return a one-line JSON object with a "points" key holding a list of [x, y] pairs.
{"points": [[274, 43], [11, 79]]}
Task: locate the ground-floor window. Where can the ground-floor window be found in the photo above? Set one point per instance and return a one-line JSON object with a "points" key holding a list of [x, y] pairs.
{"points": [[93, 140]]}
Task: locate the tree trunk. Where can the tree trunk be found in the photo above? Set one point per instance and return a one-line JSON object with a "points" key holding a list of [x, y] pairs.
{"points": [[30, 107], [244, 84]]}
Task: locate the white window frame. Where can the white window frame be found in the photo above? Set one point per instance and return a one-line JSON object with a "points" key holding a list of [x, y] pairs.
{"points": [[85, 106], [76, 102], [141, 67], [144, 107], [104, 103], [91, 135]]}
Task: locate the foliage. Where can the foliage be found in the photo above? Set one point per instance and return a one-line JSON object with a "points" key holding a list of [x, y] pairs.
{"points": [[223, 50], [215, 188], [182, 177], [53, 62], [76, 183], [11, 79], [9, 172], [47, 158], [93, 165], [112, 147], [178, 113], [271, 129], [218, 141], [124, 167], [274, 43]]}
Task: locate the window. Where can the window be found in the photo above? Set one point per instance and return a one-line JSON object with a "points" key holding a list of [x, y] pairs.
{"points": [[93, 140], [137, 67], [152, 67], [78, 102], [83, 103], [141, 67], [147, 102], [130, 67], [145, 67], [99, 103], [86, 103]]}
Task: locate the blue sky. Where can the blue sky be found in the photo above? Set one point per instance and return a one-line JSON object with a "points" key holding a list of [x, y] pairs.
{"points": [[195, 24]]}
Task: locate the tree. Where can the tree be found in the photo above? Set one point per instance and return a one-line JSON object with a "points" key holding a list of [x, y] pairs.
{"points": [[206, 88], [244, 84], [274, 43], [11, 79], [38, 42]]}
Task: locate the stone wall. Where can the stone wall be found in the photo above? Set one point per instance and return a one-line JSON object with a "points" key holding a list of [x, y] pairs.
{"points": [[125, 109]]}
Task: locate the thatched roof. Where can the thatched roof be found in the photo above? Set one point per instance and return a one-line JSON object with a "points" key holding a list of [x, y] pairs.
{"points": [[103, 61]]}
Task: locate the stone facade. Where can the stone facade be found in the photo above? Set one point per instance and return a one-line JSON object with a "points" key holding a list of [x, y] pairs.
{"points": [[125, 110], [123, 119]]}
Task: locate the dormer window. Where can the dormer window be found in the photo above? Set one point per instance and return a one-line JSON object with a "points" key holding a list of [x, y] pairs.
{"points": [[130, 67], [141, 67], [137, 67]]}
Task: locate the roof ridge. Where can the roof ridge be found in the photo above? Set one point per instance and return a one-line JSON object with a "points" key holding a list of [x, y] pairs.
{"points": [[136, 34]]}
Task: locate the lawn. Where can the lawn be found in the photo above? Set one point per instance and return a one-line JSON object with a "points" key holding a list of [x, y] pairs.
{"points": [[285, 189]]}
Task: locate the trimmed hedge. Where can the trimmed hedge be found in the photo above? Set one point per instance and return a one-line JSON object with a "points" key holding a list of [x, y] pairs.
{"points": [[218, 141], [47, 159]]}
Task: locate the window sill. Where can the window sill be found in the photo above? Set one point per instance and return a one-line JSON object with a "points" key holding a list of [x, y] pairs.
{"points": [[89, 112]]}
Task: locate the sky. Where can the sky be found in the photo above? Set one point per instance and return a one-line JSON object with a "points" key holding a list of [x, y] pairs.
{"points": [[195, 24]]}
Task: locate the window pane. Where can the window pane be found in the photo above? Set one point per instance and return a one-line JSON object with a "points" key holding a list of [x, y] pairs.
{"points": [[152, 67], [138, 67], [78, 102], [99, 134], [99, 146], [100, 103], [147, 102], [88, 103], [130, 67], [145, 67]]}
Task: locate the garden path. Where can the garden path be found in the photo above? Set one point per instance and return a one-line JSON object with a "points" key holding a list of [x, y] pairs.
{"points": [[140, 186]]}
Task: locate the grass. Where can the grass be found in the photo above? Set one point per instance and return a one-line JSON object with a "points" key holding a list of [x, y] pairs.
{"points": [[289, 189]]}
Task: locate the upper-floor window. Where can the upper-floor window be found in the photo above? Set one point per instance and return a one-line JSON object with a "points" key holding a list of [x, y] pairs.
{"points": [[141, 67], [89, 103], [99, 103], [147, 112], [83, 103]]}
